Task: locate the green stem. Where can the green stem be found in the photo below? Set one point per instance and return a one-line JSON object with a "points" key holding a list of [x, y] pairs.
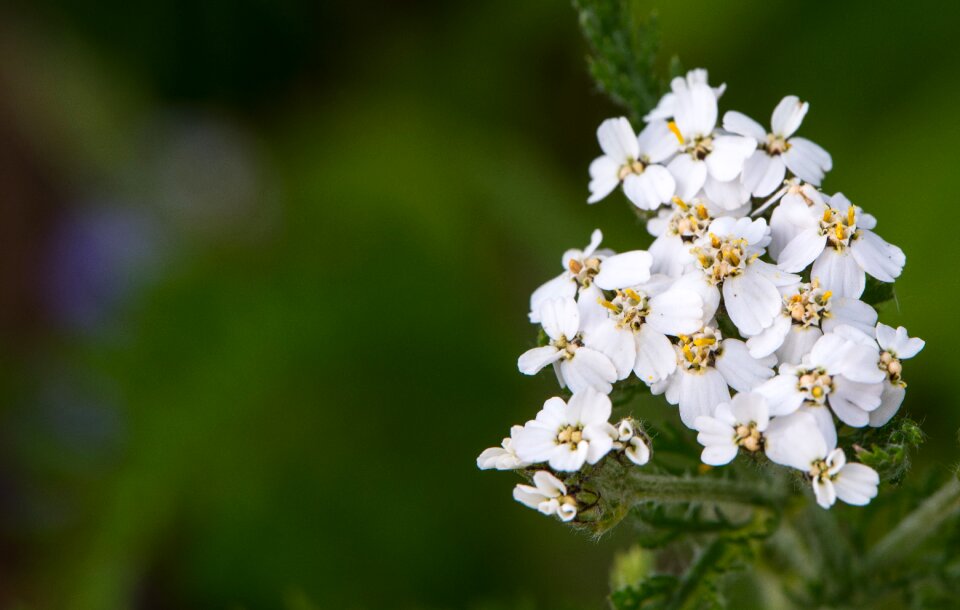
{"points": [[639, 487], [921, 524]]}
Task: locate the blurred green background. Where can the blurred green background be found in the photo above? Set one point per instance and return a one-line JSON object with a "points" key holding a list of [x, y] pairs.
{"points": [[265, 269]]}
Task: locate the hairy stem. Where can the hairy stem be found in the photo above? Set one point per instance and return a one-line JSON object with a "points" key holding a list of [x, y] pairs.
{"points": [[916, 528], [639, 487]]}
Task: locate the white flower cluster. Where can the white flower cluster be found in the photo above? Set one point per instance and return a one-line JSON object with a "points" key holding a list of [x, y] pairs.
{"points": [[745, 241]]}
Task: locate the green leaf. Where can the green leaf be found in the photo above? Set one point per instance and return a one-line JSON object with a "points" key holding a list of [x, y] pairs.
{"points": [[624, 42]]}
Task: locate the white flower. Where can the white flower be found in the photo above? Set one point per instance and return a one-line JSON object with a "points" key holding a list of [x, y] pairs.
{"points": [[666, 107], [636, 161], [566, 435], [739, 423], [838, 240], [635, 446], [548, 495], [795, 441], [728, 255], [840, 371], [707, 366], [709, 160], [777, 152], [897, 345], [503, 457], [807, 312], [642, 317], [576, 363], [583, 267]]}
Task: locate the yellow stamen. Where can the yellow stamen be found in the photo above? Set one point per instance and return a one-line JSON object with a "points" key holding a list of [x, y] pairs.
{"points": [[851, 216], [575, 266], [680, 204], [704, 341], [817, 391], [838, 229], [827, 295], [672, 126], [632, 294], [701, 212], [827, 215], [609, 305], [688, 353]]}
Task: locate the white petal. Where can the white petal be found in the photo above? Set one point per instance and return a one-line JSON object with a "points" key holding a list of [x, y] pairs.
{"points": [[689, 176], [788, 115], [657, 142], [825, 492], [549, 485], [769, 339], [807, 160], [729, 153], [624, 270], [567, 512], [696, 109], [790, 218], [678, 311], [878, 258], [752, 302], [778, 277], [890, 401], [852, 401], [740, 370], [839, 272], [728, 195], [591, 407], [700, 393], [615, 343], [794, 440], [560, 318], [595, 238], [656, 358], [903, 345], [708, 293], [850, 312], [564, 459], [750, 407], [528, 496], [600, 438], [781, 393], [763, 174], [741, 124], [533, 360], [798, 343], [604, 177], [617, 139], [856, 484], [588, 369], [561, 286], [637, 451], [719, 455], [802, 250], [651, 188]]}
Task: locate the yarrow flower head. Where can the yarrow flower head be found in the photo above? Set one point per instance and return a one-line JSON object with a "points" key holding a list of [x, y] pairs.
{"points": [[748, 312]]}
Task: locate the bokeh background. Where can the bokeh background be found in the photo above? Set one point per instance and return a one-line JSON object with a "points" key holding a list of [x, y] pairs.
{"points": [[264, 270]]}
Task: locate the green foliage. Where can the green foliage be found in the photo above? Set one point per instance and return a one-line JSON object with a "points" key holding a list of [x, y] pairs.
{"points": [[877, 292], [624, 42], [888, 449]]}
